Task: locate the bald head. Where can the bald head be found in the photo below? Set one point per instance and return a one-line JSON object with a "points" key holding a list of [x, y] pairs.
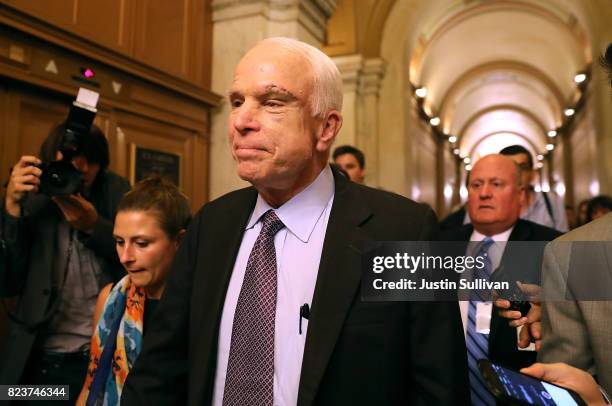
{"points": [[502, 164], [495, 194]]}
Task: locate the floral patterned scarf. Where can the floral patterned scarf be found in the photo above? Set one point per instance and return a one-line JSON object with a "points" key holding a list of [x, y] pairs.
{"points": [[127, 301]]}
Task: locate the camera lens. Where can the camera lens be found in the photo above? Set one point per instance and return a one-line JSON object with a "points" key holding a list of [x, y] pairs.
{"points": [[60, 178], [56, 180]]}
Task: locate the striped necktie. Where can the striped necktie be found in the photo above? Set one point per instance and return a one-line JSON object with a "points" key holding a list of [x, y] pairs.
{"points": [[478, 343], [250, 368]]}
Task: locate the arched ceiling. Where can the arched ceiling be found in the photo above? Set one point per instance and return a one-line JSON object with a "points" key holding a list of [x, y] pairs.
{"points": [[489, 144], [507, 83], [500, 120], [495, 67]]}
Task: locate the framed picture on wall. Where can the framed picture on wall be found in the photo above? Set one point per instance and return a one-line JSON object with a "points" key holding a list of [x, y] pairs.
{"points": [[148, 162]]}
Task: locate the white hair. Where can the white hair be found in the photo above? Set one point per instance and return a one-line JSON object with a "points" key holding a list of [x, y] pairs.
{"points": [[327, 94]]}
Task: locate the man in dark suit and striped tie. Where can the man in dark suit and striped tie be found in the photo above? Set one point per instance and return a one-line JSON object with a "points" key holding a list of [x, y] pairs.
{"points": [[495, 195]]}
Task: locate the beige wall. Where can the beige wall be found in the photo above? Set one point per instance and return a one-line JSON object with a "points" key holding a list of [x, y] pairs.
{"points": [[584, 155]]}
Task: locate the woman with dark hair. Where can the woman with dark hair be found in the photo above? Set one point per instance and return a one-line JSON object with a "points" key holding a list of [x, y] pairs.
{"points": [[150, 223]]}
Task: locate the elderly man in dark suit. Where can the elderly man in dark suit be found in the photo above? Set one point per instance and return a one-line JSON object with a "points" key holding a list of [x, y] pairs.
{"points": [[495, 195], [263, 306]]}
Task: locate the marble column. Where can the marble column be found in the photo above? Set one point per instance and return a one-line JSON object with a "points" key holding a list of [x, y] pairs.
{"points": [[361, 78]]}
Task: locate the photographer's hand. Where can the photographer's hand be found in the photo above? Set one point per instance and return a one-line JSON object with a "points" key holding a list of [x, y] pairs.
{"points": [[25, 177], [79, 212]]}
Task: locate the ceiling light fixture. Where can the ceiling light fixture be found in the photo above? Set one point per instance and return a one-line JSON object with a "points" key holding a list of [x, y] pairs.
{"points": [[580, 77], [421, 92]]}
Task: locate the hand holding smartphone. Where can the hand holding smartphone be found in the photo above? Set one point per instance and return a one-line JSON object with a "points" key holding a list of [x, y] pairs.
{"points": [[514, 388]]}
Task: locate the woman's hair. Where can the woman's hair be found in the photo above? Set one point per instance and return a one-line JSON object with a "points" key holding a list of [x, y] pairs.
{"points": [[94, 148], [606, 62], [162, 197]]}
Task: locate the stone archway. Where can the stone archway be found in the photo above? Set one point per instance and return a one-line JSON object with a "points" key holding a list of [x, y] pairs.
{"points": [[524, 58]]}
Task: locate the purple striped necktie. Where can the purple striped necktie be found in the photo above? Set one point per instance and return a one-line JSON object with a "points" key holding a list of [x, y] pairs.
{"points": [[250, 368]]}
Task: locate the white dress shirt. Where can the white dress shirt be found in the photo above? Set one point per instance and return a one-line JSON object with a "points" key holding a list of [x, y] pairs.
{"points": [[538, 212], [495, 253], [298, 252]]}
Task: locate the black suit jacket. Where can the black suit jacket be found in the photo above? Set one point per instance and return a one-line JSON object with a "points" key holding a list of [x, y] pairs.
{"points": [[358, 353], [453, 220], [503, 339]]}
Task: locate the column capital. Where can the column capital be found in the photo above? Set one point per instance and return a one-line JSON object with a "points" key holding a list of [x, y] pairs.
{"points": [[350, 70], [372, 73], [312, 14], [360, 74]]}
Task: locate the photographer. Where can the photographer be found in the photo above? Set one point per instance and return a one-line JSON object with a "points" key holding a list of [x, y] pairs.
{"points": [[61, 252]]}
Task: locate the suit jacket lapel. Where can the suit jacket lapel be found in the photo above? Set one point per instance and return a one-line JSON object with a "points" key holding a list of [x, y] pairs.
{"points": [[337, 283], [460, 242], [218, 257], [520, 232]]}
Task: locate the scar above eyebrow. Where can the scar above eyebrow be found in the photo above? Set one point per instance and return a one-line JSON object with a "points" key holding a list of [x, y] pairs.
{"points": [[278, 91], [269, 91]]}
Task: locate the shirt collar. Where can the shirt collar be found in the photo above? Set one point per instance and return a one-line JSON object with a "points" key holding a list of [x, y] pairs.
{"points": [[503, 236], [301, 213]]}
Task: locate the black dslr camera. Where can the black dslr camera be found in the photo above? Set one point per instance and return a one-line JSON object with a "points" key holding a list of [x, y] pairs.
{"points": [[61, 178]]}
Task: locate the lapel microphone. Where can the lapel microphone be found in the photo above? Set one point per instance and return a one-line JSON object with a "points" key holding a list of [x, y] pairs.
{"points": [[304, 314]]}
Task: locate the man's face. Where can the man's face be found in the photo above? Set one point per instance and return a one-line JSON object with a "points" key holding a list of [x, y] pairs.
{"points": [[350, 164], [527, 172], [494, 198], [272, 132], [89, 170]]}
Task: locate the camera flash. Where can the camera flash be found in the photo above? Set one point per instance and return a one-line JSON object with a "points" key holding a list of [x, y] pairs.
{"points": [[87, 97]]}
